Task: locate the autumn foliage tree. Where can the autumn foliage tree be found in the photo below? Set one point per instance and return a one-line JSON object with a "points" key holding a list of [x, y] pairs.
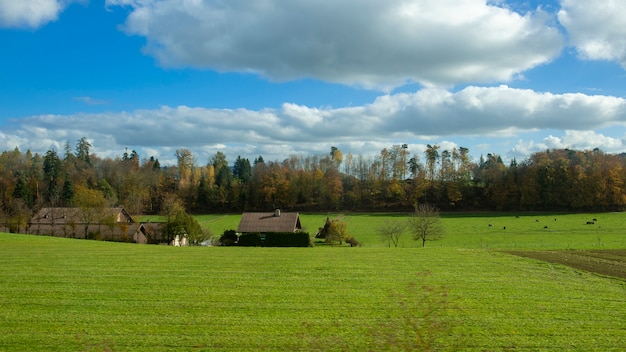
{"points": [[179, 223], [337, 232], [91, 203], [392, 180]]}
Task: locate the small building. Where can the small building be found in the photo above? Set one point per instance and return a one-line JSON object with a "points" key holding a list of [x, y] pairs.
{"points": [[276, 221], [109, 224], [149, 233]]}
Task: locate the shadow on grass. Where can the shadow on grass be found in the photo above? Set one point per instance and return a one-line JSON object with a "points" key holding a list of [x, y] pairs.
{"points": [[415, 321]]}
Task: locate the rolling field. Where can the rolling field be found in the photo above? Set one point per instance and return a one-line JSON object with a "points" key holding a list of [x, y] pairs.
{"points": [[461, 293], [526, 231]]}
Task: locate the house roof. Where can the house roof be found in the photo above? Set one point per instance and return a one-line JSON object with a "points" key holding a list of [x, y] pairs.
{"points": [[74, 215], [269, 222]]}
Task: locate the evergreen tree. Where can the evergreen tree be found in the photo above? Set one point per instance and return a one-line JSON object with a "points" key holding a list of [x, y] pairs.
{"points": [[67, 194], [242, 169], [52, 170], [82, 150], [22, 191]]}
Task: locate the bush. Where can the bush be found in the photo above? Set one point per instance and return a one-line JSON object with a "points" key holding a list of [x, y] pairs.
{"points": [[229, 238], [337, 232]]}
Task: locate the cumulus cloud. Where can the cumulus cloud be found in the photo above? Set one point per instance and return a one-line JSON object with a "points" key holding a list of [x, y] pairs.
{"points": [[571, 139], [596, 28], [371, 43], [586, 140], [417, 118], [29, 13]]}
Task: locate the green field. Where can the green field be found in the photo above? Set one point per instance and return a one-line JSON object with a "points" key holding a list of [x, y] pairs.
{"points": [[460, 293], [568, 231]]}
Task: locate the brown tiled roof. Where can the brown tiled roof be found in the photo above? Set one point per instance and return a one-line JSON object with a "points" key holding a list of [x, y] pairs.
{"points": [[269, 222], [111, 224], [59, 216]]}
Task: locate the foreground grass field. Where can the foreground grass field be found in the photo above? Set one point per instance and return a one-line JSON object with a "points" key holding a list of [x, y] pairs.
{"points": [[460, 293]]}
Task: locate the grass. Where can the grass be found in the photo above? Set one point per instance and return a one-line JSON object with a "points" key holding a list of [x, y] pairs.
{"points": [[525, 230], [603, 262], [455, 294]]}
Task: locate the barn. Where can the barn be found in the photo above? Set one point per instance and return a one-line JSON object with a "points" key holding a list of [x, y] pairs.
{"points": [[109, 224]]}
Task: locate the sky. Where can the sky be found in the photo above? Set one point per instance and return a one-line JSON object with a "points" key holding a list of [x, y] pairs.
{"points": [[278, 78]]}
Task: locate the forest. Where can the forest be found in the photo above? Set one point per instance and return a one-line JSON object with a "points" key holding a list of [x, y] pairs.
{"points": [[393, 180]]}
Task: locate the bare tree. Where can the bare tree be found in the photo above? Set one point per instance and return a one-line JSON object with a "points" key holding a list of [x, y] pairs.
{"points": [[425, 223], [390, 231]]}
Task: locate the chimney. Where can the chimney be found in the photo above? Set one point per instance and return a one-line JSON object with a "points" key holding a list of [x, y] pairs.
{"points": [[276, 212]]}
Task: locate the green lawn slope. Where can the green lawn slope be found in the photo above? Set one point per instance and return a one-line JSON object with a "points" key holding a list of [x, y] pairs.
{"points": [[455, 294]]}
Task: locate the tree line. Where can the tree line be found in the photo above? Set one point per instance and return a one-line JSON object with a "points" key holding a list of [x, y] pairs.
{"points": [[393, 180]]}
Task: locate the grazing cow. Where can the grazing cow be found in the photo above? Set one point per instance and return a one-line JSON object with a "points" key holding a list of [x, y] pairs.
{"points": [[545, 227], [590, 222], [504, 228], [537, 220], [490, 225], [595, 219]]}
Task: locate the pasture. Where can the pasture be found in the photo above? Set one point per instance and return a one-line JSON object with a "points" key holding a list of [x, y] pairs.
{"points": [[472, 230], [461, 293]]}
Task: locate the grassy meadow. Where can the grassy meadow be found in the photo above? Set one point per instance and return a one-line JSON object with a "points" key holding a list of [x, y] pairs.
{"points": [[472, 230], [458, 294]]}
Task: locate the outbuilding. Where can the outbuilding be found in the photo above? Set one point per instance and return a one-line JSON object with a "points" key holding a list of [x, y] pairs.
{"points": [[275, 221]]}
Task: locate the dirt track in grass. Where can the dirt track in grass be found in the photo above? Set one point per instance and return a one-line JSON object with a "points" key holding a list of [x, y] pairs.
{"points": [[604, 262]]}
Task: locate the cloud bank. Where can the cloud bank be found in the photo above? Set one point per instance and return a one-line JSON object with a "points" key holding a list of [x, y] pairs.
{"points": [[499, 113], [370, 43]]}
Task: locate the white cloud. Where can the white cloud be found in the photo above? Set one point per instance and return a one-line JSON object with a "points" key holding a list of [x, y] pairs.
{"points": [[29, 13], [372, 43], [587, 140], [577, 140], [480, 116], [596, 28], [91, 101]]}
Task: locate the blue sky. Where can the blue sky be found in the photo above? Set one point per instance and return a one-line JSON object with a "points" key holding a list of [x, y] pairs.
{"points": [[294, 77]]}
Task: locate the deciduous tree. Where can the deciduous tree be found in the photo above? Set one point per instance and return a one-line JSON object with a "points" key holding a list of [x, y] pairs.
{"points": [[337, 232], [91, 203], [179, 222], [390, 232], [425, 223]]}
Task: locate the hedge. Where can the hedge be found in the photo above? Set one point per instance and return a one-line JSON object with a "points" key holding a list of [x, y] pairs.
{"points": [[250, 240], [275, 239], [287, 239]]}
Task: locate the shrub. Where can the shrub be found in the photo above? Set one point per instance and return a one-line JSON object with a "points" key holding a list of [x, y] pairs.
{"points": [[229, 238], [337, 232], [353, 242]]}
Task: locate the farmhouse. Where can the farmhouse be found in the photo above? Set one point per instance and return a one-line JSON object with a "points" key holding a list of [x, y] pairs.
{"points": [[276, 221], [149, 233], [110, 224]]}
